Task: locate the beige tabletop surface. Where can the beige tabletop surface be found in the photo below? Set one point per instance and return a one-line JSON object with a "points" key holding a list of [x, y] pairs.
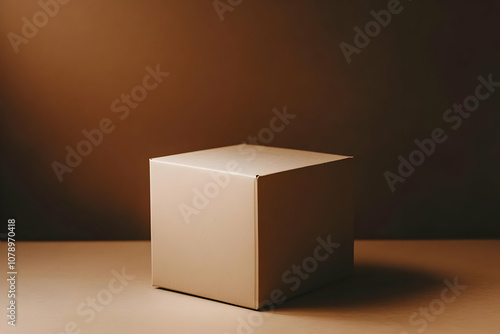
{"points": [[398, 287]]}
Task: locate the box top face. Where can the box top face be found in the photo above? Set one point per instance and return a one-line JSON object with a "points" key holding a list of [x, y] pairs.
{"points": [[250, 160]]}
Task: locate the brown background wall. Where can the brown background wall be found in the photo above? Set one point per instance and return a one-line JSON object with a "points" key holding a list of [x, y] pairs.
{"points": [[225, 79]]}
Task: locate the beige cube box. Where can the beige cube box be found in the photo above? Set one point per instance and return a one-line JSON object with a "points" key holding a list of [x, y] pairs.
{"points": [[251, 225]]}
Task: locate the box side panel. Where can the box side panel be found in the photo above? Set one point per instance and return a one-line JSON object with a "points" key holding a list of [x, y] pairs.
{"points": [[202, 233], [305, 229]]}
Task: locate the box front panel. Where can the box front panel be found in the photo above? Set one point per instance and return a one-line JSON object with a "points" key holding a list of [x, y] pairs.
{"points": [[202, 232]]}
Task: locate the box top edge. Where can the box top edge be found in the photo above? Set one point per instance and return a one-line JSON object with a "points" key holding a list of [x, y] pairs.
{"points": [[249, 160]]}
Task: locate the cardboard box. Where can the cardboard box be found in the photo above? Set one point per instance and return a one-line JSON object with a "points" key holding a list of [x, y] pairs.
{"points": [[251, 225]]}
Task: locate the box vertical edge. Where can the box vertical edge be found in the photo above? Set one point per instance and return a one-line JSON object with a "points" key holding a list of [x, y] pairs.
{"points": [[151, 217], [256, 243]]}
